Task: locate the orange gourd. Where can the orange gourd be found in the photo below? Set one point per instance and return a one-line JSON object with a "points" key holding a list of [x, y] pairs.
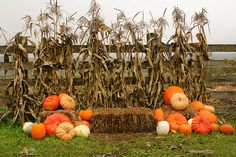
{"points": [[185, 129], [82, 122], [51, 103], [38, 131], [201, 125], [86, 114], [176, 119], [210, 116], [214, 127], [170, 91], [226, 129], [197, 105], [159, 114]]}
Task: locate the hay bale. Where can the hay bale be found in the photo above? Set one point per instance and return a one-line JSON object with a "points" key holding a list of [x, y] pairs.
{"points": [[189, 112], [122, 120], [70, 113]]}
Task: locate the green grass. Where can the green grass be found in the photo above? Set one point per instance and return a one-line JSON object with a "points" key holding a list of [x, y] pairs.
{"points": [[13, 141]]}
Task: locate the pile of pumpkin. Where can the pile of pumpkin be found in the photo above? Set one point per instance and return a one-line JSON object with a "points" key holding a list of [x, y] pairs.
{"points": [[203, 123], [59, 124]]}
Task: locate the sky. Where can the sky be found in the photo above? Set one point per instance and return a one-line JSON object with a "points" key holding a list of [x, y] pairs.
{"points": [[220, 13]]}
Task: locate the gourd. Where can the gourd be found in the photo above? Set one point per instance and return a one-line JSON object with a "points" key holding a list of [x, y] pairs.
{"points": [[52, 121], [51, 103], [185, 129], [159, 114], [65, 131], [197, 105], [190, 121], [226, 129], [179, 101], [163, 128], [27, 127], [67, 102], [38, 131], [86, 114], [82, 130], [214, 127], [170, 91], [209, 108], [201, 125]]}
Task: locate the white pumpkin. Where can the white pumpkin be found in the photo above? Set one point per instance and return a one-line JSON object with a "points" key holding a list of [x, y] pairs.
{"points": [[82, 130], [27, 126], [163, 128], [190, 121]]}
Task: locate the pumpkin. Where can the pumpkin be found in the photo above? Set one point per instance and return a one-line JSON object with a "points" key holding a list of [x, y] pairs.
{"points": [[65, 131], [179, 101], [62, 94], [175, 119], [27, 127], [159, 114], [214, 127], [226, 129], [86, 114], [52, 121], [201, 125], [210, 108], [82, 130], [185, 129], [51, 103], [163, 128], [82, 122], [67, 102], [210, 116], [197, 105], [170, 91], [190, 121], [38, 131]]}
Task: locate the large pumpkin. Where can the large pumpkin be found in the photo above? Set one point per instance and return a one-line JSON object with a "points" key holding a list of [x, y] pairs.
{"points": [[51, 122], [210, 116], [201, 125], [67, 102], [65, 131], [51, 103], [170, 91], [179, 101], [38, 131], [159, 114], [86, 114], [176, 119]]}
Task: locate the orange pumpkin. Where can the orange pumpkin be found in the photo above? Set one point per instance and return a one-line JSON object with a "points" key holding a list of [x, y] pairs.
{"points": [[210, 116], [82, 122], [176, 119], [52, 121], [86, 114], [170, 91], [38, 131], [185, 129], [201, 125], [179, 101], [214, 127], [51, 103], [67, 102], [159, 114], [197, 105], [226, 129]]}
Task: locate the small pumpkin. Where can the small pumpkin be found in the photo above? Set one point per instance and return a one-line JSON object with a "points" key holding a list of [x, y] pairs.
{"points": [[82, 122], [159, 114], [27, 127], [67, 102], [185, 129], [197, 105], [201, 125], [226, 129], [65, 131], [176, 119], [214, 127], [62, 95], [210, 116], [86, 114], [51, 103], [170, 91], [163, 128], [210, 108], [179, 101], [52, 121], [190, 121], [38, 131], [82, 130]]}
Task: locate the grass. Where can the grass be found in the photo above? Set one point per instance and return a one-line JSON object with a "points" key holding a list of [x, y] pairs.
{"points": [[14, 141]]}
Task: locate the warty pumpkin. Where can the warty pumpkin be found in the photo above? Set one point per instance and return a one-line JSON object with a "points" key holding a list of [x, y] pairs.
{"points": [[170, 91], [65, 131], [159, 114], [179, 101], [38, 131], [51, 103]]}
